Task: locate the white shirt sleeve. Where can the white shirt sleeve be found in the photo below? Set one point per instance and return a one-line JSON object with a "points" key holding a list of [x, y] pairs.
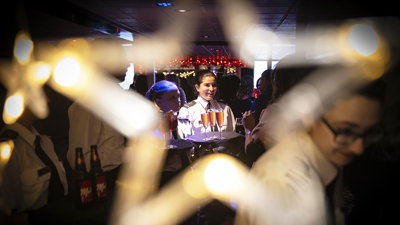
{"points": [[230, 119], [184, 123]]}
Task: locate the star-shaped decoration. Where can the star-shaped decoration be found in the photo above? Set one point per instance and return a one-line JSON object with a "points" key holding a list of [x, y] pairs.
{"points": [[24, 78]]}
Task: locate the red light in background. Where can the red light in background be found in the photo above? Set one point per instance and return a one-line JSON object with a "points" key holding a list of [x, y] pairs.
{"points": [[255, 92]]}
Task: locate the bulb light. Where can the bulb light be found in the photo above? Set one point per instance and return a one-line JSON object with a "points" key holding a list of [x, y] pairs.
{"points": [[5, 151], [23, 49], [363, 39], [40, 72], [67, 72], [220, 176], [14, 106], [43, 72]]}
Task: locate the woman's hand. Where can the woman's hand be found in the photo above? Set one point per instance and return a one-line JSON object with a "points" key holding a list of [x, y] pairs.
{"points": [[248, 121]]}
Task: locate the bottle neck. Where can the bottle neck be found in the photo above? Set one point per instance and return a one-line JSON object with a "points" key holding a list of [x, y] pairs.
{"points": [[94, 159], [80, 165]]}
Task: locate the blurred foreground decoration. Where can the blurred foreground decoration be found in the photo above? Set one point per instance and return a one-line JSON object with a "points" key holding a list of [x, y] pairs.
{"points": [[215, 176], [24, 79], [6, 148], [358, 55]]}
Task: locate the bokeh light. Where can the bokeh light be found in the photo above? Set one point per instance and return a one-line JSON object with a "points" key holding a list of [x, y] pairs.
{"points": [[40, 72], [43, 72], [5, 151], [14, 106], [220, 176], [67, 72], [363, 39], [23, 48]]}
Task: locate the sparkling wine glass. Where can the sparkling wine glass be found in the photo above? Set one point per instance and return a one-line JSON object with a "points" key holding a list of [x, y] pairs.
{"points": [[205, 119], [220, 121], [213, 118]]}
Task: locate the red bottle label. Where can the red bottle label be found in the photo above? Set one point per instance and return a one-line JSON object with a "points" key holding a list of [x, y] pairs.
{"points": [[101, 186], [86, 191]]}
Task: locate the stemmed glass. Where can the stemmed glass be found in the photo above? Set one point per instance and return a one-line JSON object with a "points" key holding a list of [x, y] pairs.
{"points": [[220, 121], [213, 118], [205, 119]]}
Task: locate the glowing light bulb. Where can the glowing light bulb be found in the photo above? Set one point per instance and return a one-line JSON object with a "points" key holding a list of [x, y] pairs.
{"points": [[67, 72], [5, 151], [40, 72], [220, 176], [363, 39], [23, 48], [43, 72], [14, 106]]}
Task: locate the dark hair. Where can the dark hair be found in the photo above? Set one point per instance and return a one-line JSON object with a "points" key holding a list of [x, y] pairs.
{"points": [[246, 87], [202, 74], [158, 89], [228, 87], [173, 78], [159, 77], [141, 84], [375, 90], [286, 75], [266, 75], [198, 79], [258, 80]]}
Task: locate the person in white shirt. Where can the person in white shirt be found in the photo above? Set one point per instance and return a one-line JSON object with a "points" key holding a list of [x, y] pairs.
{"points": [[33, 176], [206, 87], [86, 129], [283, 78], [299, 179]]}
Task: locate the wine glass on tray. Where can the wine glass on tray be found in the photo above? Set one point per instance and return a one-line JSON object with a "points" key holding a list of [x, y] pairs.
{"points": [[213, 119], [220, 122], [205, 119]]}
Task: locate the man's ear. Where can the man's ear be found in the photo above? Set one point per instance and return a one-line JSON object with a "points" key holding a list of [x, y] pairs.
{"points": [[197, 87]]}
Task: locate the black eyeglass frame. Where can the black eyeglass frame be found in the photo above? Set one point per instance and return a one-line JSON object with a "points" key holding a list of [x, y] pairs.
{"points": [[368, 138]]}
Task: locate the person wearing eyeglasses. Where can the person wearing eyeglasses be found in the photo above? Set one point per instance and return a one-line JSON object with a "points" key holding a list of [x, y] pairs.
{"points": [[300, 177]]}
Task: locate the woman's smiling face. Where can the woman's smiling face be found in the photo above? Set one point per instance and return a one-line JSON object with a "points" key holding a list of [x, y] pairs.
{"points": [[207, 88]]}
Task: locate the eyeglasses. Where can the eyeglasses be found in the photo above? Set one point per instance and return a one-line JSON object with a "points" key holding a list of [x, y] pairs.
{"points": [[347, 136]]}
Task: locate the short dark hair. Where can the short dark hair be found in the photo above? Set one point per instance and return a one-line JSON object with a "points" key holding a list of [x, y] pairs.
{"points": [[159, 77], [375, 90], [228, 87], [286, 75], [141, 84], [266, 75]]}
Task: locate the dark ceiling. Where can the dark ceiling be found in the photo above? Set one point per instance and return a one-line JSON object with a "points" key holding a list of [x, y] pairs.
{"points": [[54, 20]]}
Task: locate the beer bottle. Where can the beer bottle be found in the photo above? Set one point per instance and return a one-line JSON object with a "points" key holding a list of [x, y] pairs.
{"points": [[83, 183], [97, 176]]}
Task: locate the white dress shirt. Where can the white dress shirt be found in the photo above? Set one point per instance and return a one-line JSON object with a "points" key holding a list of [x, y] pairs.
{"points": [[192, 112], [288, 186], [267, 125], [85, 130], [22, 186]]}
